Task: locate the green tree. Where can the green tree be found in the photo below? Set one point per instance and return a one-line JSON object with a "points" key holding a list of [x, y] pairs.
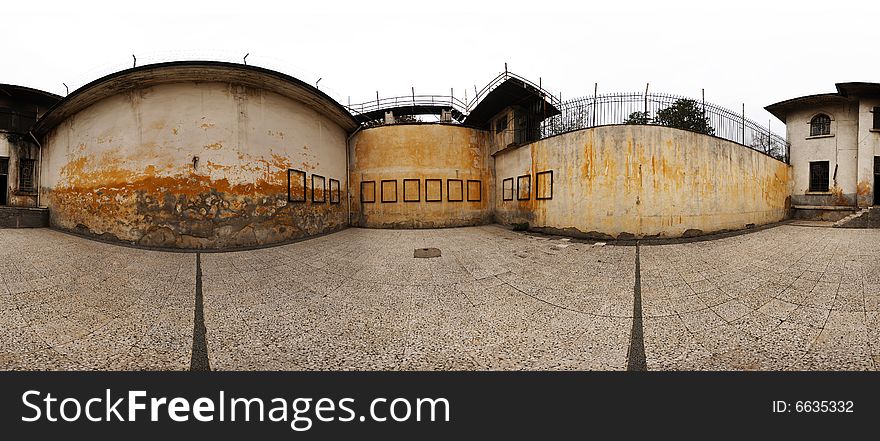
{"points": [[684, 114], [638, 118]]}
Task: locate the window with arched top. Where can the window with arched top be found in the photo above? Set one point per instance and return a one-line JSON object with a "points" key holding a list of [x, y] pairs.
{"points": [[820, 125]]}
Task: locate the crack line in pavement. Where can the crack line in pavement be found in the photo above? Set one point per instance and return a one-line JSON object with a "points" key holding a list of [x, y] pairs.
{"points": [[199, 361], [635, 355]]}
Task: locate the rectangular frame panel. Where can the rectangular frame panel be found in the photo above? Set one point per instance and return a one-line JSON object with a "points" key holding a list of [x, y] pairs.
{"points": [[382, 191], [519, 187], [479, 190], [323, 181], [337, 199], [293, 176], [372, 192], [540, 186], [504, 189], [439, 183], [460, 185], [418, 190]]}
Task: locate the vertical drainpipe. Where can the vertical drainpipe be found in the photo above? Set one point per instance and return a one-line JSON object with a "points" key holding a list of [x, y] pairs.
{"points": [[348, 170]]}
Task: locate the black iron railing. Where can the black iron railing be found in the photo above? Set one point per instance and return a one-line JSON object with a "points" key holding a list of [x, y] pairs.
{"points": [[617, 108], [460, 107]]}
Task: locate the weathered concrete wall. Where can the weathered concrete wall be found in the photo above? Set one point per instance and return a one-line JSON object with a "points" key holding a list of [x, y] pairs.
{"points": [[16, 147], [639, 181], [868, 148], [22, 217], [421, 152], [840, 149], [192, 165]]}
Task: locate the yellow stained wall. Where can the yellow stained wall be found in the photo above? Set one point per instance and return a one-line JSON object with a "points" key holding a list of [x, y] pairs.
{"points": [[639, 181], [420, 151], [125, 167]]}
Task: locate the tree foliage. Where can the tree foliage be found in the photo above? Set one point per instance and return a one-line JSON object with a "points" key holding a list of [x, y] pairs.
{"points": [[684, 114], [641, 118]]}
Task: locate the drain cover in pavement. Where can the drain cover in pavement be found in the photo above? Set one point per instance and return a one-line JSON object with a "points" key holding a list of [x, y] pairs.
{"points": [[424, 253]]}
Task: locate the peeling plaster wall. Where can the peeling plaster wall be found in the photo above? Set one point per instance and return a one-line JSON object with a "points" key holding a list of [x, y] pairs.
{"points": [[124, 168], [868, 148], [421, 151], [15, 147], [840, 150], [640, 181]]}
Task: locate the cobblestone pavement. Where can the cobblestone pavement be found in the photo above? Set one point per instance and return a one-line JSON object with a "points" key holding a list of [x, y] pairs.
{"points": [[787, 297]]}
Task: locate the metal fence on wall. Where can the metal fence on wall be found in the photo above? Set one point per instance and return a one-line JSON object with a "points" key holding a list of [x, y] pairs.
{"points": [[615, 108]]}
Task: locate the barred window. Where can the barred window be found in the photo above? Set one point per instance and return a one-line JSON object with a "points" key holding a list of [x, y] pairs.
{"points": [[819, 176], [820, 125], [26, 174]]}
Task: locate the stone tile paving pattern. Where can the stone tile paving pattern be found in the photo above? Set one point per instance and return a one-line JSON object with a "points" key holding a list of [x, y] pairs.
{"points": [[68, 303], [787, 297], [801, 298]]}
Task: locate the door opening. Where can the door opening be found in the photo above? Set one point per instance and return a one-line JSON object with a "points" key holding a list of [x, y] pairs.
{"points": [[4, 187], [4, 180], [876, 180]]}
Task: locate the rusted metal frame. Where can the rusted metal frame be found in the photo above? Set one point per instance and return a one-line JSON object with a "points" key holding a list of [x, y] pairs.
{"points": [[418, 186], [504, 187], [338, 189], [538, 185], [468, 188], [441, 190], [289, 181], [323, 191], [518, 192], [373, 200], [382, 191], [449, 192]]}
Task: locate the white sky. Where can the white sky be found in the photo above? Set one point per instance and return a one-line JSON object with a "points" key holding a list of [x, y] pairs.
{"points": [[756, 52]]}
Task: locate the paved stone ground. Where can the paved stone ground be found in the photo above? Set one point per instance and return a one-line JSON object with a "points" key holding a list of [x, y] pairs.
{"points": [[68, 303], [359, 300], [787, 297]]}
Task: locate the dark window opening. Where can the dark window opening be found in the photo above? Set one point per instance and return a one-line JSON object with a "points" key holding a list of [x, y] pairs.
{"points": [[820, 125], [501, 124], [877, 118], [26, 175], [4, 166], [819, 176]]}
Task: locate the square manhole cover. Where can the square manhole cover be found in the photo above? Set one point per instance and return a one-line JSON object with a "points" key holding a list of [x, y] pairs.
{"points": [[425, 253]]}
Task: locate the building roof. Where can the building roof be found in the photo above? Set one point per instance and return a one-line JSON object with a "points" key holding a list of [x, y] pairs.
{"points": [[204, 71], [28, 95], [510, 91], [858, 89], [845, 92]]}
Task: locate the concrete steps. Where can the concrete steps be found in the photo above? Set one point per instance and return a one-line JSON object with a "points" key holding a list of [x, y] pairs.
{"points": [[853, 216]]}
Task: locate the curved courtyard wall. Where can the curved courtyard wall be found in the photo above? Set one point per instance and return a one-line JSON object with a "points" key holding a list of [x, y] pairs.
{"points": [[195, 165], [420, 176], [630, 181]]}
